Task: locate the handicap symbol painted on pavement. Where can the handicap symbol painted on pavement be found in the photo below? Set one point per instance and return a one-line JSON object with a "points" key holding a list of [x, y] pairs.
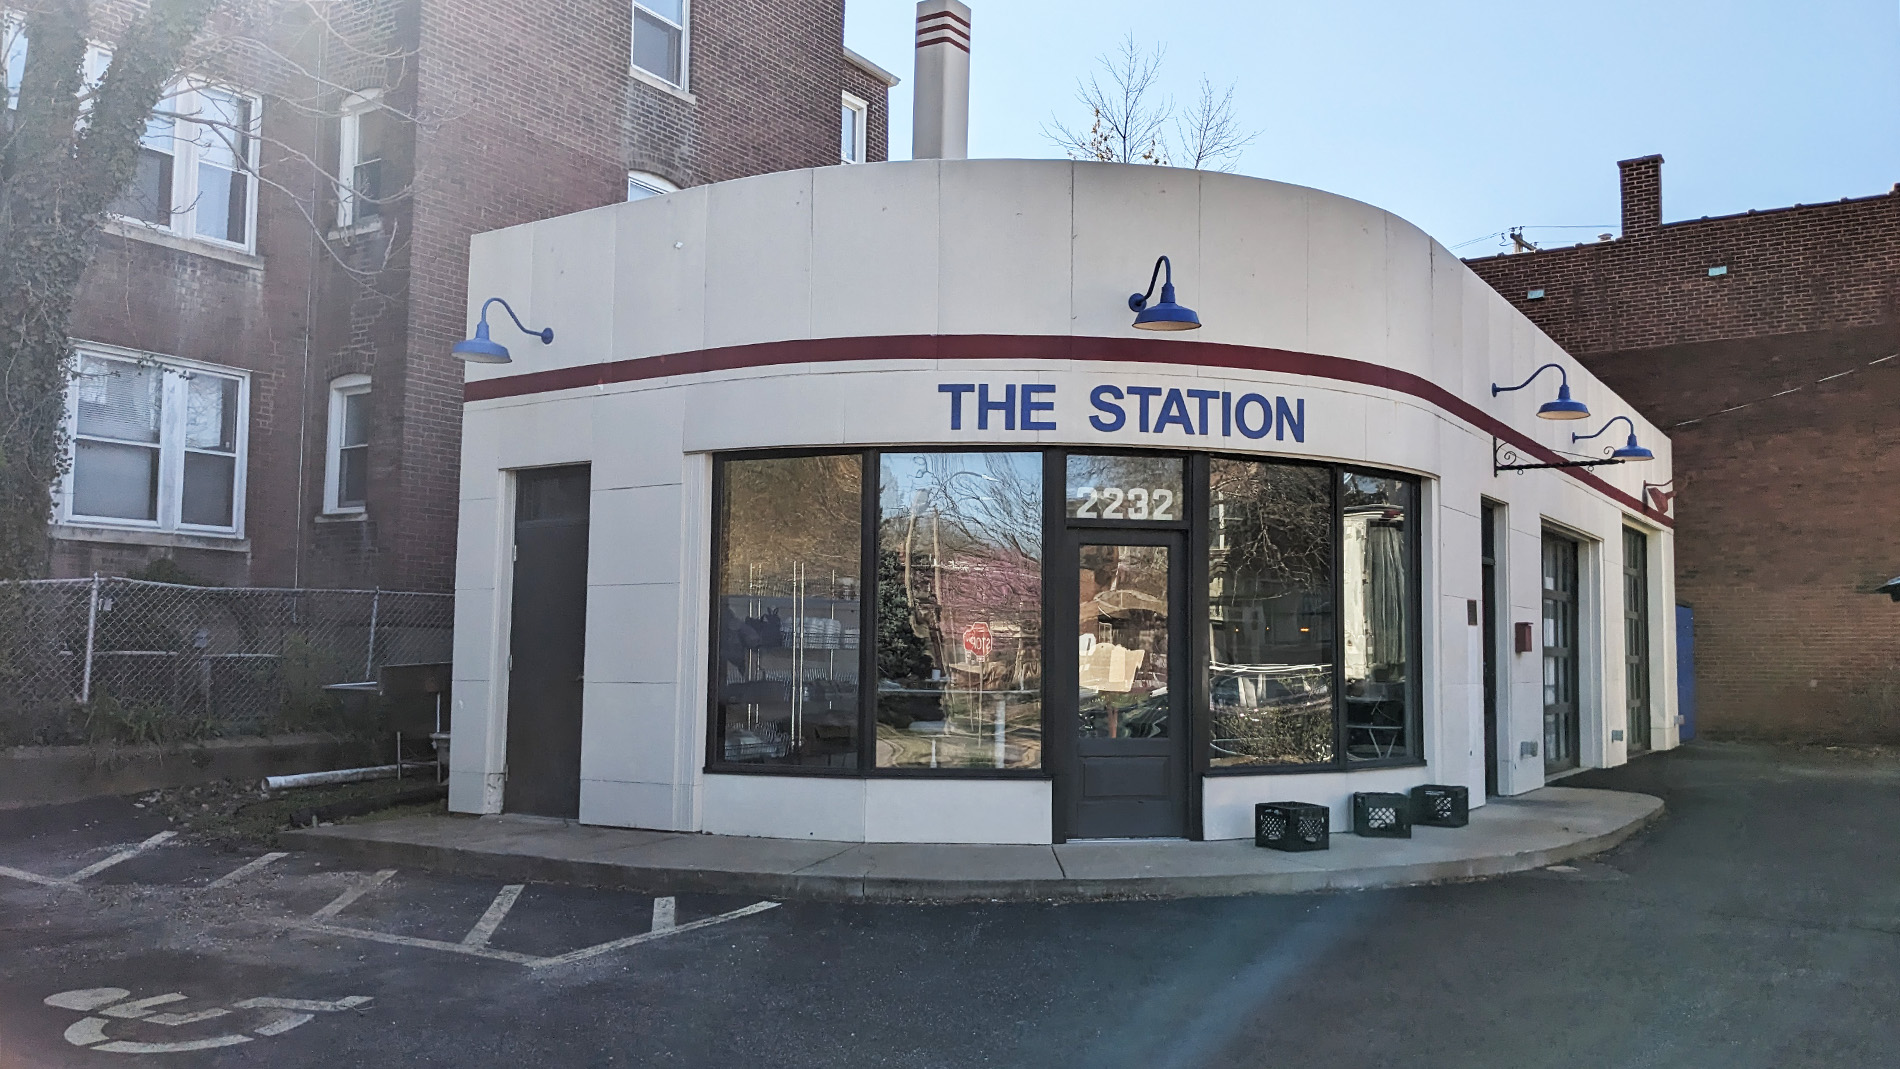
{"points": [[115, 1003]]}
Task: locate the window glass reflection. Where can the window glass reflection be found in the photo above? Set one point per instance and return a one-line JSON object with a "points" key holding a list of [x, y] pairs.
{"points": [[1125, 488], [787, 580], [1270, 614], [1122, 623], [1377, 567], [959, 610]]}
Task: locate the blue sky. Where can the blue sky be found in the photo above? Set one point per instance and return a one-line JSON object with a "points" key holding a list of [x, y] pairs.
{"points": [[1471, 116]]}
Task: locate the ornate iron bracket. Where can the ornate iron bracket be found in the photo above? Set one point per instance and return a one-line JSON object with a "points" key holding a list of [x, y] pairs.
{"points": [[1504, 458]]}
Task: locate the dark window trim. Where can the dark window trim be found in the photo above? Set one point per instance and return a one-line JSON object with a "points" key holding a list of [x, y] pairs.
{"points": [[1197, 497]]}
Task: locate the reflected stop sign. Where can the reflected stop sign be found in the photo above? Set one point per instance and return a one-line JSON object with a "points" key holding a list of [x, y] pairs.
{"points": [[977, 640]]}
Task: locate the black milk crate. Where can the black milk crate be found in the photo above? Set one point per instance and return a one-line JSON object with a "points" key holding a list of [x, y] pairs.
{"points": [[1291, 825], [1381, 815], [1439, 805]]}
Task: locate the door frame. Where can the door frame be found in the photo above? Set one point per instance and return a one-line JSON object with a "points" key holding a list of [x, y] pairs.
{"points": [[1060, 656]]}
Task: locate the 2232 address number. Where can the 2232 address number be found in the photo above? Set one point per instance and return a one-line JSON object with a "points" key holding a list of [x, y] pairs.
{"points": [[1132, 503]]}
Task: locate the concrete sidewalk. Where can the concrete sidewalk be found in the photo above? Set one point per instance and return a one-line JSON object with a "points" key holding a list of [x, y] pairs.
{"points": [[1529, 831]]}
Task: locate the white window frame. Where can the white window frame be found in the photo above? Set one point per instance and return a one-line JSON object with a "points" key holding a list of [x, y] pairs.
{"points": [[652, 183], [341, 389], [175, 374], [685, 27], [349, 141], [181, 101], [862, 109], [12, 39]]}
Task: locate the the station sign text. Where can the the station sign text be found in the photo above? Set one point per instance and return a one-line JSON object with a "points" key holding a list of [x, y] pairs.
{"points": [[1031, 406]]}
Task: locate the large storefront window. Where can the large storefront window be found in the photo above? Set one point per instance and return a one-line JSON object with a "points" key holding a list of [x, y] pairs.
{"points": [[959, 610], [1376, 604], [1270, 614], [901, 630], [787, 588]]}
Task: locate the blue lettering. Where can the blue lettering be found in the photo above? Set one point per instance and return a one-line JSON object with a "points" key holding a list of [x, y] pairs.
{"points": [[1289, 421], [1226, 414], [1144, 392], [1030, 408], [956, 390], [1174, 410], [985, 406], [1099, 398], [1266, 415], [1203, 396]]}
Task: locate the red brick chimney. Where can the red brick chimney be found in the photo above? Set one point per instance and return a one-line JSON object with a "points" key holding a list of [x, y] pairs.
{"points": [[1642, 195]]}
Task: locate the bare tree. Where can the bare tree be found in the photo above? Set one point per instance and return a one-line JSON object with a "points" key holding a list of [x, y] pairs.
{"points": [[72, 123], [1208, 136], [1130, 116], [1132, 122]]}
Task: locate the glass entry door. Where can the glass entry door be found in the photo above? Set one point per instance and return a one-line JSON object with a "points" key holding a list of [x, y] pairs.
{"points": [[1126, 630], [1561, 732]]}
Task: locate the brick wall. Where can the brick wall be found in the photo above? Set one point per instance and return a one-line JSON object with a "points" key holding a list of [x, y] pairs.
{"points": [[521, 112], [1786, 512]]}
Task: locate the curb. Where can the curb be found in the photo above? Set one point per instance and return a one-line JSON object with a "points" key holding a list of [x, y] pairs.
{"points": [[899, 889]]}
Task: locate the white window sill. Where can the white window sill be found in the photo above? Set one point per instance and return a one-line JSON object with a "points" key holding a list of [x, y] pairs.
{"points": [[126, 536], [355, 230], [357, 516], [151, 235], [661, 84]]}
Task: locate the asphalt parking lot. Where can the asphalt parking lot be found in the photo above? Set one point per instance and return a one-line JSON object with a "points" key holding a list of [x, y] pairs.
{"points": [[1757, 925]]}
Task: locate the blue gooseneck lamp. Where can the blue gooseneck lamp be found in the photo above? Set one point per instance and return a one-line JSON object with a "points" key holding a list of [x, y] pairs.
{"points": [[481, 350], [1164, 314], [1632, 451], [1562, 408]]}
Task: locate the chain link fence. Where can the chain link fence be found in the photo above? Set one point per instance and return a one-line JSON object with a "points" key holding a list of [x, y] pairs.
{"points": [[84, 660]]}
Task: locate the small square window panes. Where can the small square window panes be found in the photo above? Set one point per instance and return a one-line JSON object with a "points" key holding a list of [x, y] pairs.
{"points": [[656, 45], [849, 122], [210, 413], [209, 481], [352, 477], [115, 480], [1124, 488], [119, 400], [355, 419]]}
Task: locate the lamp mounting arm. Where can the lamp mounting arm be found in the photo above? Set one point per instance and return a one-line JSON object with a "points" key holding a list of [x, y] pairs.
{"points": [[1563, 375], [1504, 458], [546, 334], [1139, 301], [1599, 432]]}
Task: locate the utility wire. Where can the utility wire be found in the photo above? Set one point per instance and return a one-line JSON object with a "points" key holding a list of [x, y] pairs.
{"points": [[1783, 393]]}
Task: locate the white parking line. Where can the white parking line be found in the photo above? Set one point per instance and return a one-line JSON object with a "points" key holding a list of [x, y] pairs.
{"points": [[127, 854], [244, 870], [413, 941], [484, 929], [342, 902], [603, 948], [28, 877]]}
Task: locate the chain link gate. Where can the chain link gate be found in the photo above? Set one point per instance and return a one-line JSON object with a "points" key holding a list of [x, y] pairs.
{"points": [[220, 660]]}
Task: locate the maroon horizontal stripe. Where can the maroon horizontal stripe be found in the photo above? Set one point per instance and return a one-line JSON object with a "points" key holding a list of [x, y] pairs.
{"points": [[1041, 347], [921, 43], [946, 14]]}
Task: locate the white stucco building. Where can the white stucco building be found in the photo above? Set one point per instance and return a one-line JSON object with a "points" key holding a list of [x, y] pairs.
{"points": [[848, 504]]}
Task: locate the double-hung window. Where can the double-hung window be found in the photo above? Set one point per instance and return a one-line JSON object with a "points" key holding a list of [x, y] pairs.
{"points": [[361, 143], [12, 61], [197, 169], [157, 444], [346, 474], [852, 123], [659, 39]]}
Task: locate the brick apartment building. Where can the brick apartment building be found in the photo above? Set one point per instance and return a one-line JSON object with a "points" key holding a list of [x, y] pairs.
{"points": [[301, 256], [1786, 508]]}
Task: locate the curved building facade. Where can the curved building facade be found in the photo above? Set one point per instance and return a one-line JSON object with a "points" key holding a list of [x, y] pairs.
{"points": [[848, 504]]}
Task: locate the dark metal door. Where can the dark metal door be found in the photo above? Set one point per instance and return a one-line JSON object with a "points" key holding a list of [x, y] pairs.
{"points": [[1561, 734], [1489, 636], [547, 637], [1685, 673], [1126, 655], [1636, 636]]}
